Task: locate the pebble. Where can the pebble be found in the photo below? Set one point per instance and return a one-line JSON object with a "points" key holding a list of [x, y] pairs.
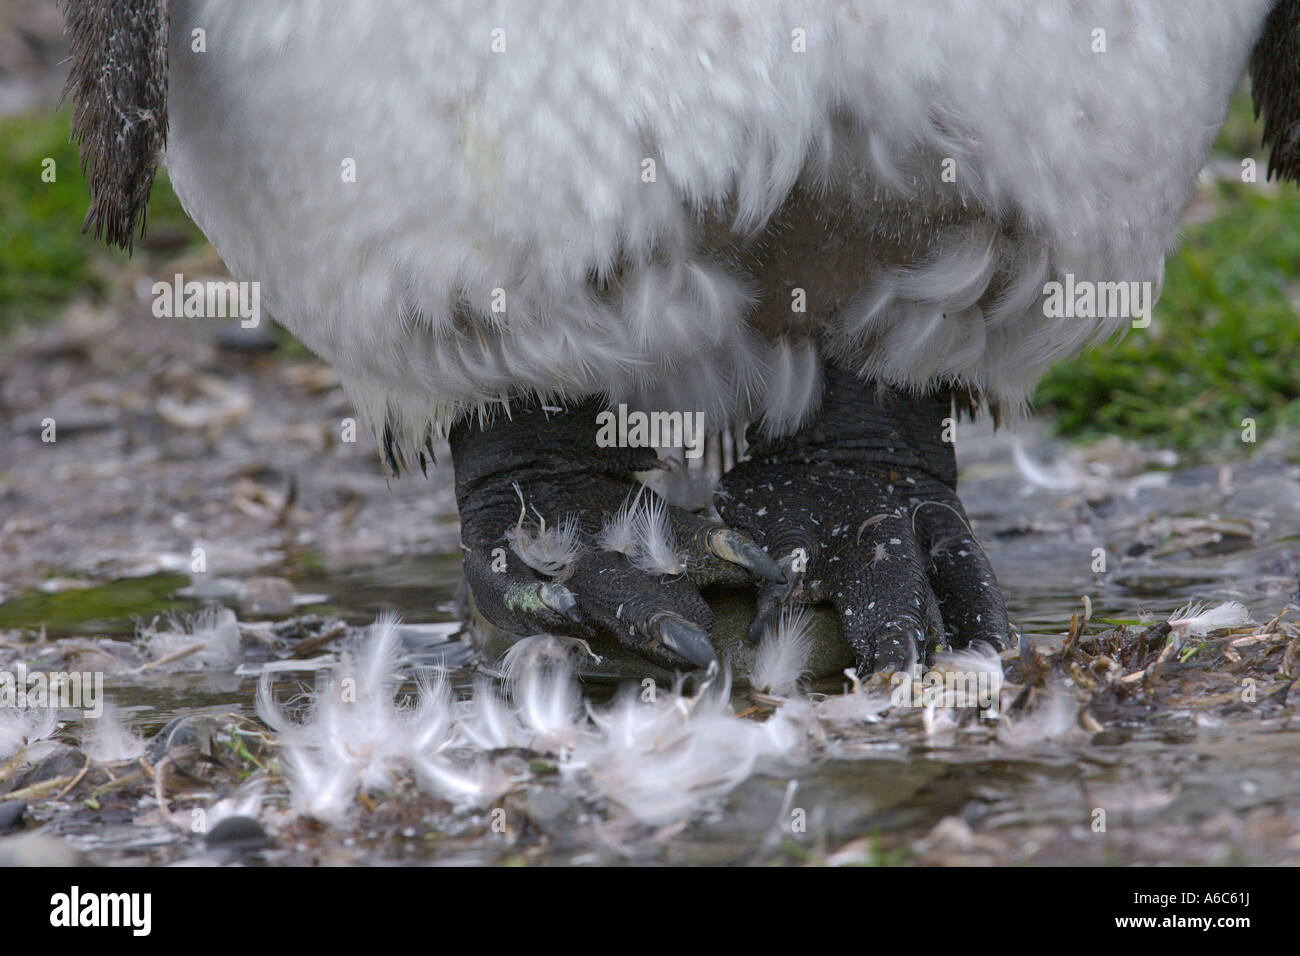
{"points": [[11, 815], [238, 833]]}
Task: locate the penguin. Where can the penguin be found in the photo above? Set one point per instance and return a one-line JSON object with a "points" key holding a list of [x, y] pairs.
{"points": [[839, 225]]}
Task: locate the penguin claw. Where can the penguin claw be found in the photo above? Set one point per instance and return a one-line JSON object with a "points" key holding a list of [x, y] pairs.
{"points": [[560, 600], [685, 640], [740, 549]]}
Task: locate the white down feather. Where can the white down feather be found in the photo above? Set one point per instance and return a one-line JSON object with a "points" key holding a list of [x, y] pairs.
{"points": [[557, 200]]}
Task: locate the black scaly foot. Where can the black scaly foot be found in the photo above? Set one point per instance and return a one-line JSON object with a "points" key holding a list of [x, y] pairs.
{"points": [[860, 508], [537, 474]]}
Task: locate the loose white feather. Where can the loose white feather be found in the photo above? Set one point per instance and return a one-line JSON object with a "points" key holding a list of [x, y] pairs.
{"points": [[657, 760], [21, 726], [782, 659], [206, 640], [655, 551], [619, 533], [661, 760], [547, 700], [1197, 620], [356, 734], [978, 672], [1051, 718], [550, 550], [857, 706], [108, 740]]}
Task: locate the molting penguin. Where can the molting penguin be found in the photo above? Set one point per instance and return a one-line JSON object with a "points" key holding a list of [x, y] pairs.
{"points": [[835, 222]]}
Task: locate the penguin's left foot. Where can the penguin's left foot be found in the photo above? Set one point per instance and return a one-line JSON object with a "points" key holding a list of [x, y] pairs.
{"points": [[860, 509], [559, 536]]}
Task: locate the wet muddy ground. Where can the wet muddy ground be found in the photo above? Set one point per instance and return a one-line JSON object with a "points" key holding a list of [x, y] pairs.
{"points": [[186, 474], [147, 471]]}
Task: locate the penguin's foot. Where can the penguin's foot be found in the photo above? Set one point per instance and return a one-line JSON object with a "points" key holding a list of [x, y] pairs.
{"points": [[860, 508], [560, 537]]}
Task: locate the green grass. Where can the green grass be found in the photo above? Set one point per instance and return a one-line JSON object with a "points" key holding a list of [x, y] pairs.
{"points": [[1224, 343], [1240, 135], [45, 261], [102, 609], [1225, 337]]}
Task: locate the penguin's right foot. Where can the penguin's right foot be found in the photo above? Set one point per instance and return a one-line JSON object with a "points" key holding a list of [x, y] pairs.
{"points": [[559, 536], [860, 508]]}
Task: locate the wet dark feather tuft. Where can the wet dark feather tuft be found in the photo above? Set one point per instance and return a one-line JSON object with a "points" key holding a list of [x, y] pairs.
{"points": [[118, 83], [1275, 87]]}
